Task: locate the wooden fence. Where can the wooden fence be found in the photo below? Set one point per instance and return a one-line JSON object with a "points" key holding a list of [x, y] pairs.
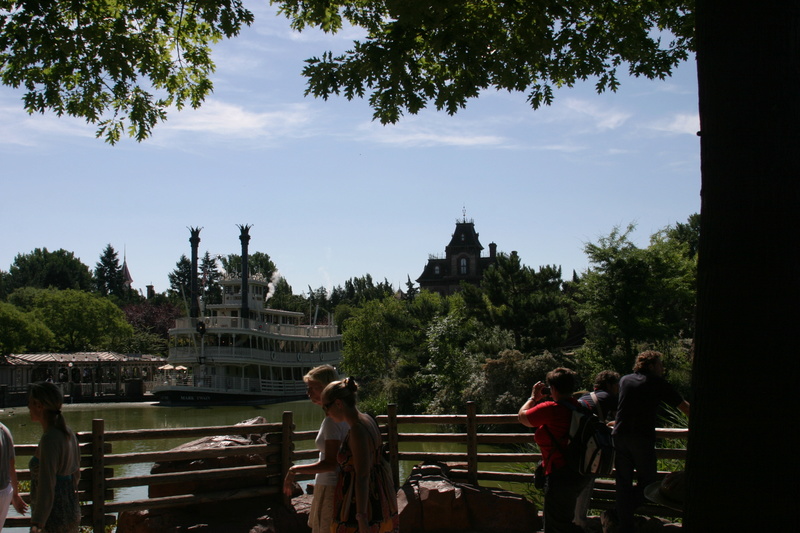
{"points": [[285, 446]]}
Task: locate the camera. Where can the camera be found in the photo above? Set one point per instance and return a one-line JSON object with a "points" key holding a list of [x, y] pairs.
{"points": [[546, 391]]}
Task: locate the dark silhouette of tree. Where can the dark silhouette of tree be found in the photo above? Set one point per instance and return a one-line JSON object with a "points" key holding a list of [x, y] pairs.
{"points": [[209, 280], [180, 282], [517, 298], [108, 273], [258, 263], [43, 269]]}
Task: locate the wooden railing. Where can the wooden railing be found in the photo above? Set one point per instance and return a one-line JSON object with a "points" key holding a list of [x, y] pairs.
{"points": [[98, 480]]}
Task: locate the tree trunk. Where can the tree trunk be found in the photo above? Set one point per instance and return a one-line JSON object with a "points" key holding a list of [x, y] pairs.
{"points": [[745, 374]]}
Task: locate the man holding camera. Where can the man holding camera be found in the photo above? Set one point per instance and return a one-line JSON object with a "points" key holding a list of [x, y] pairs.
{"points": [[544, 412]]}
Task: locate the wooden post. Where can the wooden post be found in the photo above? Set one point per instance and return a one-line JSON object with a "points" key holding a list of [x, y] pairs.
{"points": [[98, 475], [472, 444], [287, 446], [394, 450]]}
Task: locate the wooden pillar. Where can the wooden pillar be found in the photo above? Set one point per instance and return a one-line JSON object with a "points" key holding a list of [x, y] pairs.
{"points": [[472, 444], [394, 449], [98, 475], [287, 446]]}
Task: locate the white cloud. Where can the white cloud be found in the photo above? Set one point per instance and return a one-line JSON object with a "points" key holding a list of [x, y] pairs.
{"points": [[604, 118], [409, 133], [18, 128], [680, 123], [230, 120]]}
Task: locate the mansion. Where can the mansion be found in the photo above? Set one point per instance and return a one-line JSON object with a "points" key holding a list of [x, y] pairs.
{"points": [[462, 261]]}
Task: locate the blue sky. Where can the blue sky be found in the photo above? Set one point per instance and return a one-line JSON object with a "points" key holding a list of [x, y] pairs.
{"points": [[333, 195]]}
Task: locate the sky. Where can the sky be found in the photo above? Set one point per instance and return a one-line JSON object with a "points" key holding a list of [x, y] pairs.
{"points": [[332, 194]]}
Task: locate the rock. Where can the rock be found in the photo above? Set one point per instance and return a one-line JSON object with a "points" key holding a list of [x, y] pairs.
{"points": [[431, 502], [247, 515], [235, 483]]}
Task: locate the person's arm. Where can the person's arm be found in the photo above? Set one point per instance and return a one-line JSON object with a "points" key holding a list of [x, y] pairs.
{"points": [[536, 395], [16, 500], [362, 464], [328, 464]]}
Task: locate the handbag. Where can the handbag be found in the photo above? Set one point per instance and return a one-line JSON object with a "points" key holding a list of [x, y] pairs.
{"points": [[539, 476]]}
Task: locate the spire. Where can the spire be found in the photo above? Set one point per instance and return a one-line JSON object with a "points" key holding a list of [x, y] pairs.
{"points": [[127, 279]]}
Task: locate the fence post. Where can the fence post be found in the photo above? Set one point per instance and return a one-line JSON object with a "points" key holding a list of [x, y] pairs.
{"points": [[287, 446], [98, 475], [394, 450], [472, 444]]}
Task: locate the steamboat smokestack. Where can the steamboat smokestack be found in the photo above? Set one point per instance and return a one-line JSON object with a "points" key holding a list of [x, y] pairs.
{"points": [[193, 294], [244, 237]]}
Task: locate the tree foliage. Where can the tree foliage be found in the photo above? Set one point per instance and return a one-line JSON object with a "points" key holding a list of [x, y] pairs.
{"points": [[359, 290], [209, 280], [180, 281], [519, 299], [152, 317], [634, 295], [447, 52], [22, 332], [118, 64], [43, 269], [108, 276], [79, 320], [257, 263]]}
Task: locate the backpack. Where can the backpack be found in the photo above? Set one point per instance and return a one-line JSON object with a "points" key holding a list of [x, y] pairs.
{"points": [[590, 451]]}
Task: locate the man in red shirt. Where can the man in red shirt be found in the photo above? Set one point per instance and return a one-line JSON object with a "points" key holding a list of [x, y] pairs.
{"points": [[551, 419]]}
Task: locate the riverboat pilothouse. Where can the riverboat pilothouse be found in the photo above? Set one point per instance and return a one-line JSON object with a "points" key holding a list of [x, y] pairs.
{"points": [[242, 351]]}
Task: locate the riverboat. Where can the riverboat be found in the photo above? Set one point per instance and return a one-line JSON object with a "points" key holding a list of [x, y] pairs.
{"points": [[244, 353]]}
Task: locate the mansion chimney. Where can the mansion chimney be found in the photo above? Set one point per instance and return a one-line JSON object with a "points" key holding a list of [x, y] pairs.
{"points": [[492, 250], [193, 293], [244, 237]]}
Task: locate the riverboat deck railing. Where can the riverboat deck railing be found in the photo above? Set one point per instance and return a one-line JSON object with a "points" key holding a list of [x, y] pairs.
{"points": [[294, 330], [283, 446]]}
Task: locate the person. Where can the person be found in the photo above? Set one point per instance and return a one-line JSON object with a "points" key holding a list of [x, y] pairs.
{"points": [[330, 437], [602, 401], [55, 466], [551, 421], [640, 396], [9, 493], [365, 500]]}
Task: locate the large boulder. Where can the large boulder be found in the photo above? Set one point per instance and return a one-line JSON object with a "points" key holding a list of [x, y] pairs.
{"points": [[210, 463], [245, 515], [430, 501]]}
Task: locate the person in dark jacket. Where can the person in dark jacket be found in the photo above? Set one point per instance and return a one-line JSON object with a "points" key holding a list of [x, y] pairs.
{"points": [[640, 396]]}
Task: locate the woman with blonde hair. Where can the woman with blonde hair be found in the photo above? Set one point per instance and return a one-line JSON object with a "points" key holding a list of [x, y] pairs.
{"points": [[330, 437], [55, 467], [365, 500]]}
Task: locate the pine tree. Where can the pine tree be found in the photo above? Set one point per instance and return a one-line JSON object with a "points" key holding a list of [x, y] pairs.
{"points": [[108, 273]]}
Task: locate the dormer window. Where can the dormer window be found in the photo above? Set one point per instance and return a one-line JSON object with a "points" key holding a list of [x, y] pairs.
{"points": [[436, 270], [463, 237], [462, 266]]}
